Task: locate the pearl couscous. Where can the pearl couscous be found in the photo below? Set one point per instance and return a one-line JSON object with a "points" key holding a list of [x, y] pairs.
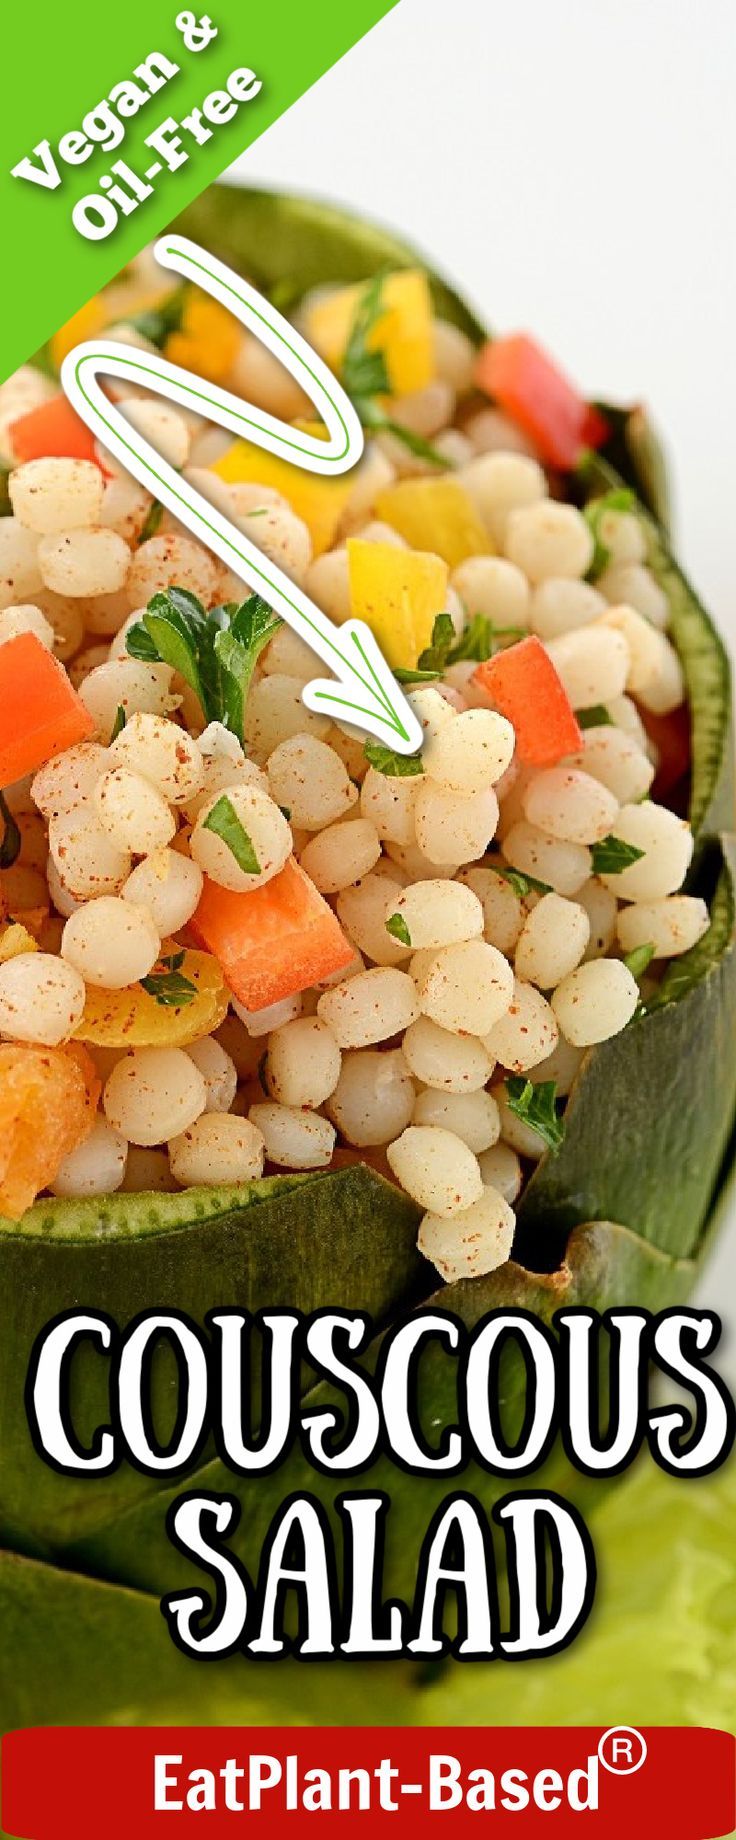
{"points": [[257, 942]]}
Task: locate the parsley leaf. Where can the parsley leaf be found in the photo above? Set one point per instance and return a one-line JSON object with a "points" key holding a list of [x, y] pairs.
{"points": [[415, 677], [637, 961], [522, 884], [158, 322], [364, 372], [397, 927], [480, 640], [535, 1106], [150, 523], [436, 654], [595, 716], [168, 986], [119, 723], [397, 766], [11, 840], [215, 653], [621, 499], [612, 855], [224, 821]]}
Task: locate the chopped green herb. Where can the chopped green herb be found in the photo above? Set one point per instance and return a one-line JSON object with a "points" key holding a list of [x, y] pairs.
{"points": [[436, 654], [285, 812], [595, 716], [168, 986], [396, 766], [612, 855], [158, 322], [415, 677], [119, 723], [260, 511], [637, 961], [10, 845], [481, 639], [216, 653], [365, 376], [535, 1106], [223, 820], [151, 522], [374, 417], [397, 927], [6, 508], [522, 884], [261, 1070], [621, 499]]}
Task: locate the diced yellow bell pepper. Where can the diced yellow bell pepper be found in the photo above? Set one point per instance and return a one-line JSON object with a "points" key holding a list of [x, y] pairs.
{"points": [[15, 940], [435, 514], [403, 331], [398, 592], [133, 1019], [208, 339], [84, 324], [318, 501]]}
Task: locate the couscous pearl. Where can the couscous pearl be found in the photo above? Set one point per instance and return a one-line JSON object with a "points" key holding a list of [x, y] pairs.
{"points": [[436, 1168], [371, 1007], [617, 761], [621, 534], [132, 813], [472, 1116], [56, 494], [593, 664], [287, 656], [431, 709], [454, 355], [560, 606], [69, 779], [561, 1066], [552, 941], [466, 988], [415, 866], [501, 1169], [667, 843], [437, 913], [248, 822], [154, 1094], [373, 1100], [564, 866], [125, 507], [501, 483], [218, 1071], [84, 562], [89, 863], [526, 1034], [111, 943], [655, 673], [219, 774], [169, 885], [41, 999], [452, 828], [672, 925], [275, 712], [446, 1062], [303, 1065], [600, 905], [389, 804], [502, 909], [515, 1131], [125, 684], [549, 539], [26, 619], [494, 587], [159, 423], [595, 1002], [471, 753], [259, 1022], [217, 1147], [308, 778], [569, 804], [473, 1242], [341, 854], [631, 585], [294, 1139], [20, 572], [165, 561], [363, 911], [96, 1166], [163, 753], [328, 583]]}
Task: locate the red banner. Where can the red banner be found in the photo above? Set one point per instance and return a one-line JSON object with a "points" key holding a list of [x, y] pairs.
{"points": [[77, 1783]]}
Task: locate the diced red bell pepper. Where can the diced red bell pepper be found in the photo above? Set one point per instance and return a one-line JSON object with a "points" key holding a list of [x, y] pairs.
{"points": [[274, 941], [523, 684], [40, 712], [53, 430], [531, 390]]}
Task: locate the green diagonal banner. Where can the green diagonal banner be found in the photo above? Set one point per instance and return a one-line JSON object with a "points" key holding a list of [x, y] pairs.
{"points": [[113, 121]]}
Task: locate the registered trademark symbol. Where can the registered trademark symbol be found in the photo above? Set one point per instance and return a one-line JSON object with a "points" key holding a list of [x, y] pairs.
{"points": [[622, 1750]]}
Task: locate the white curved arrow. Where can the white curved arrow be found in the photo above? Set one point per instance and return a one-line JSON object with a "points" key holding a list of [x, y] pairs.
{"points": [[366, 693]]}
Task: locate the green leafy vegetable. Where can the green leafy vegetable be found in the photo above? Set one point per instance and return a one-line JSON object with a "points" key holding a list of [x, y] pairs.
{"points": [[397, 927], [535, 1106], [415, 677], [612, 855], [151, 522], [224, 821], [637, 961], [215, 653], [436, 654], [168, 986], [522, 884], [396, 766], [10, 845], [596, 716], [158, 322], [481, 639], [119, 723], [620, 499]]}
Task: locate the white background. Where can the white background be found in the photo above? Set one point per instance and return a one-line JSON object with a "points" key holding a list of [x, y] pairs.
{"points": [[570, 164]]}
